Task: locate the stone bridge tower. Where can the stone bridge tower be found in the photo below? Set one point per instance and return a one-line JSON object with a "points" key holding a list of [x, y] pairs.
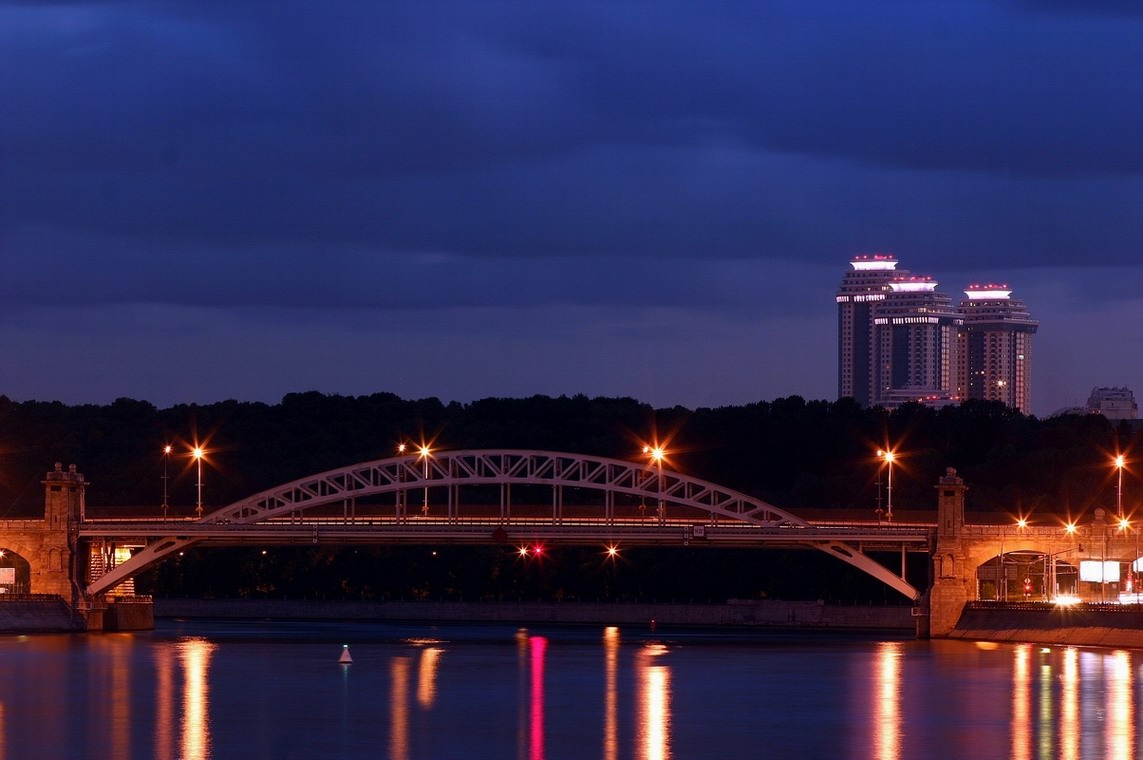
{"points": [[45, 556], [954, 575]]}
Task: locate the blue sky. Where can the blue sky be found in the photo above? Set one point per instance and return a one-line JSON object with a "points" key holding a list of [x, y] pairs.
{"points": [[201, 201]]}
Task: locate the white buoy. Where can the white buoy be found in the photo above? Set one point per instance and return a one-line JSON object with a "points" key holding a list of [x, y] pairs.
{"points": [[345, 658]]}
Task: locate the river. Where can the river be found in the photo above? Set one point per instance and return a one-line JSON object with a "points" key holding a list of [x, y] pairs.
{"points": [[207, 689]]}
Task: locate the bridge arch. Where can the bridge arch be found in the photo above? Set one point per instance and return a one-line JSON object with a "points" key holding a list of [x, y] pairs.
{"points": [[684, 500], [15, 571]]}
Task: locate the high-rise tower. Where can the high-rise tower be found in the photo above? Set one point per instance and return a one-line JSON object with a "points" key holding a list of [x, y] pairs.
{"points": [[998, 337], [866, 284], [916, 344]]}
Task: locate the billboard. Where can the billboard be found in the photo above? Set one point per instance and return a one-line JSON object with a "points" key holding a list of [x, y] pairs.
{"points": [[1095, 571]]}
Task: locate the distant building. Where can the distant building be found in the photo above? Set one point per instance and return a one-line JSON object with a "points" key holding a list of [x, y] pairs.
{"points": [[915, 344], [998, 332], [865, 285], [1113, 403], [901, 340]]}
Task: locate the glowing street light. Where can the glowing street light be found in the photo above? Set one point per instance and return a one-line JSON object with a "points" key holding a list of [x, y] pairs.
{"points": [[657, 454], [166, 463], [401, 499], [425, 452], [888, 457], [1119, 462], [198, 453]]}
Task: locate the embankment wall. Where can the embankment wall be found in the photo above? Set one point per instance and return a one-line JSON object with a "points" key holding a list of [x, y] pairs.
{"points": [[38, 617], [734, 613], [1049, 624]]}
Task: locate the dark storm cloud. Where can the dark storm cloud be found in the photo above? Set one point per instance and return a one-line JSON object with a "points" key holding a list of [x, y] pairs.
{"points": [[312, 154]]}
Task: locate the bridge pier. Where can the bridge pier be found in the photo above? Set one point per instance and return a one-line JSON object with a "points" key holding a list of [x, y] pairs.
{"points": [[954, 575], [44, 562]]}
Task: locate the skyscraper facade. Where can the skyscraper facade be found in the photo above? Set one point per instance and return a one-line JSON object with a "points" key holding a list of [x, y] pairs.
{"points": [[998, 331], [865, 285], [916, 330], [901, 340]]}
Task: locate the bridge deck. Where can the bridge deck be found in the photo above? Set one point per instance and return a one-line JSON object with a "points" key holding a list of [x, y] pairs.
{"points": [[469, 530]]}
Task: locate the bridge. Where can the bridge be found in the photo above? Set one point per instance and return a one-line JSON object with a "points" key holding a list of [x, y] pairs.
{"points": [[637, 504], [529, 499]]}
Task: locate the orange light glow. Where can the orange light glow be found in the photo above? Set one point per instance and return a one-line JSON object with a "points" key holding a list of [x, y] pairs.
{"points": [[523, 550], [612, 551], [197, 452], [425, 451], [1120, 461], [1124, 523], [1070, 528], [1022, 523]]}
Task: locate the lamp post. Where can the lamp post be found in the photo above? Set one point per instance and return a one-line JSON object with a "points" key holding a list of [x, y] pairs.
{"points": [[889, 457], [198, 453], [425, 453], [401, 498], [656, 453], [1119, 462], [166, 463]]}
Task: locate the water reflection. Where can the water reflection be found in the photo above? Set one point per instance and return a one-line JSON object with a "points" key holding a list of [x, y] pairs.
{"points": [[539, 646], [164, 702], [1069, 706], [1121, 707], [1021, 702], [653, 732], [887, 701], [610, 693], [195, 657], [427, 676], [399, 708]]}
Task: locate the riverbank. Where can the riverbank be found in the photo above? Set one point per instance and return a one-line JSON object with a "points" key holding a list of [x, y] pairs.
{"points": [[1043, 623], [759, 613]]}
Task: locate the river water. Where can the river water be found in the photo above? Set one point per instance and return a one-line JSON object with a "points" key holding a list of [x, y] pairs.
{"points": [[201, 689]]}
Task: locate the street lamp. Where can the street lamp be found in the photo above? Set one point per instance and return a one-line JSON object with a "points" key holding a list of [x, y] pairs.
{"points": [[1119, 462], [888, 457], [166, 463], [425, 452], [657, 453], [402, 499], [198, 453]]}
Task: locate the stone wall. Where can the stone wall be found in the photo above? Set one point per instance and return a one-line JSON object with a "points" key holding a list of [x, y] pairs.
{"points": [[734, 613], [1050, 624]]}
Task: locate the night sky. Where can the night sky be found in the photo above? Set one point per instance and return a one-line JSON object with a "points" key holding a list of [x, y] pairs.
{"points": [[212, 200]]}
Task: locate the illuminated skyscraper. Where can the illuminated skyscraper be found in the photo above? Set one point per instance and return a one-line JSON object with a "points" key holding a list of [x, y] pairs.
{"points": [[866, 284], [916, 344], [998, 344], [900, 340]]}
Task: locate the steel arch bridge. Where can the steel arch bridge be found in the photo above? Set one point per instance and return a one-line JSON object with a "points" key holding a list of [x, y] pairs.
{"points": [[685, 509]]}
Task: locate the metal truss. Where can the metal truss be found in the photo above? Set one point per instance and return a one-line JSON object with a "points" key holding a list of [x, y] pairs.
{"points": [[404, 474]]}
